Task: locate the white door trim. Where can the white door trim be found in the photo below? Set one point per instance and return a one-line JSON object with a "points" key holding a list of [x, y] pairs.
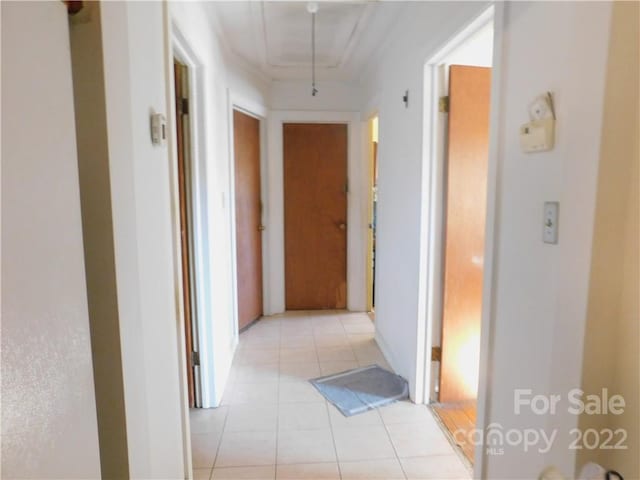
{"points": [[356, 207], [432, 218], [182, 50]]}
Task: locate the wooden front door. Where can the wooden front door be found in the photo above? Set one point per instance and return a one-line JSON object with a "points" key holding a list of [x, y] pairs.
{"points": [[468, 151], [315, 216], [182, 125], [248, 217]]}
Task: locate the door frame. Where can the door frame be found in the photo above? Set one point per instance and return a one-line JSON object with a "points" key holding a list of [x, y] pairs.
{"points": [[236, 101], [437, 77], [370, 238], [189, 244], [197, 168], [274, 205], [432, 218]]}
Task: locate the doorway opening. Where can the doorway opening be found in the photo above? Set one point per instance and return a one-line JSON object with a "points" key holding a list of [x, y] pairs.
{"points": [[459, 90], [372, 176], [186, 229]]}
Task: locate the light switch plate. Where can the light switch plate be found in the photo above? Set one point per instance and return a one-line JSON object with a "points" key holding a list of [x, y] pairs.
{"points": [[550, 227]]}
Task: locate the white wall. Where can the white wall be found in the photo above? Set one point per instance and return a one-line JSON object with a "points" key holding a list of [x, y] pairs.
{"points": [[421, 30], [49, 427], [97, 231], [536, 294], [476, 51], [332, 96], [612, 339], [220, 79], [538, 303], [133, 35]]}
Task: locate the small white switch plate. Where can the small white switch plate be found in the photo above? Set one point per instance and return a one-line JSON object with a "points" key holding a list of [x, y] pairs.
{"points": [[550, 229]]}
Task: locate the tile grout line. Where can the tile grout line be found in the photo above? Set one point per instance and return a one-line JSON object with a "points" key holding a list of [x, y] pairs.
{"points": [[278, 407], [326, 406], [275, 460], [224, 426], [384, 424], [314, 338], [353, 350], [377, 411]]}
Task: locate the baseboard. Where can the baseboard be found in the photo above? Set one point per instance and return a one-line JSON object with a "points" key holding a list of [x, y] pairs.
{"points": [[385, 351]]}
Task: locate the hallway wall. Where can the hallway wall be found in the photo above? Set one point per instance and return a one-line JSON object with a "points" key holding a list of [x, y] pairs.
{"points": [[97, 231], [420, 31], [222, 78], [537, 311], [48, 422], [135, 85], [332, 96], [612, 340], [540, 292]]}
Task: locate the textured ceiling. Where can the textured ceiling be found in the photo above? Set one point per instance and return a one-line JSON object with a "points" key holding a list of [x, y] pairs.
{"points": [[275, 37]]}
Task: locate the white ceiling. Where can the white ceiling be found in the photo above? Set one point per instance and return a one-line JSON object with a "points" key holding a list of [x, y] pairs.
{"points": [[275, 37]]}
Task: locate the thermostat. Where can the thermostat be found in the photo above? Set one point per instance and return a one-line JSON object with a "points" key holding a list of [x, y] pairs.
{"points": [[158, 129], [538, 135]]}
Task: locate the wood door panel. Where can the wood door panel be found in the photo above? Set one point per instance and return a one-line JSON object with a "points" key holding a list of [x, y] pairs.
{"points": [[248, 217], [179, 71], [468, 150], [315, 177]]}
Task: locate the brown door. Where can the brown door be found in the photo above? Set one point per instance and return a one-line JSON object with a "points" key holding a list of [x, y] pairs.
{"points": [[468, 150], [180, 72], [248, 217], [315, 216]]}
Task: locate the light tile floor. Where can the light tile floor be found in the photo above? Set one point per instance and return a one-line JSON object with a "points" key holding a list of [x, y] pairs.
{"points": [[273, 424]]}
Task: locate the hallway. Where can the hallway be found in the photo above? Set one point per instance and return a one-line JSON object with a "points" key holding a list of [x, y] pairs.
{"points": [[123, 191], [273, 424]]}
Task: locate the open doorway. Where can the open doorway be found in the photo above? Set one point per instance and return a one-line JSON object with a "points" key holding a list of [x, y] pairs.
{"points": [[186, 222], [460, 89], [372, 176]]}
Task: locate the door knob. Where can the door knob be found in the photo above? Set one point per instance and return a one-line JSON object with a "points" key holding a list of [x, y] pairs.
{"points": [[342, 226], [261, 228]]}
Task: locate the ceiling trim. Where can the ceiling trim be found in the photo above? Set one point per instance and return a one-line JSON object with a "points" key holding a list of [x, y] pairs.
{"points": [[259, 31], [241, 28], [356, 33], [230, 56]]}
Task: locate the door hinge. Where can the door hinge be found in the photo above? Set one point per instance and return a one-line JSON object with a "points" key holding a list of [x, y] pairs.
{"points": [[436, 354], [346, 186], [195, 359], [183, 106], [443, 104]]}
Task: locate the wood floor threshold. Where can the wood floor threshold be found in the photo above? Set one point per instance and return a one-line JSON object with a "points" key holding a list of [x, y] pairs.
{"points": [[455, 418]]}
